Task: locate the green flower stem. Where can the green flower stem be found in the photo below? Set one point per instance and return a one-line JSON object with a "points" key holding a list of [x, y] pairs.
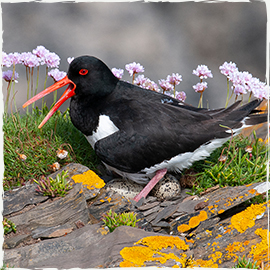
{"points": [[200, 105], [32, 85], [228, 92], [9, 88], [47, 69], [28, 84], [55, 95], [8, 93]]}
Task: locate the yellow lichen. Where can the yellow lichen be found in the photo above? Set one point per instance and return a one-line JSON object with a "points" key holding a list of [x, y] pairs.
{"points": [[260, 251], [221, 211], [246, 219], [195, 221], [183, 228], [232, 248], [159, 242], [138, 256], [89, 179], [203, 263]]}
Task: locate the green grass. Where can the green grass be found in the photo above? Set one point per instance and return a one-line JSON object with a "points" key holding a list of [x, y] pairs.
{"points": [[239, 167], [22, 136]]}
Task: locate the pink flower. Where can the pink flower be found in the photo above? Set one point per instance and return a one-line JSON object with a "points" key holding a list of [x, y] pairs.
{"points": [[228, 68], [118, 72], [202, 71], [30, 60], [56, 74], [200, 87], [52, 60], [165, 85], [146, 83], [239, 89], [134, 68], [5, 60], [174, 79], [41, 52], [7, 76], [9, 59], [70, 59], [181, 96]]}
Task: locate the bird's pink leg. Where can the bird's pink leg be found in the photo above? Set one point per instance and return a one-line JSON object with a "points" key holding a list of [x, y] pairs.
{"points": [[159, 174]]}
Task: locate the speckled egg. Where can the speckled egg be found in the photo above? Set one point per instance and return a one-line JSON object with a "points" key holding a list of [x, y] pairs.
{"points": [[124, 187], [167, 188]]}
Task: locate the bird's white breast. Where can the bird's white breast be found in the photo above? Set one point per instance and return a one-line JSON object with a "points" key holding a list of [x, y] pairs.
{"points": [[105, 128]]}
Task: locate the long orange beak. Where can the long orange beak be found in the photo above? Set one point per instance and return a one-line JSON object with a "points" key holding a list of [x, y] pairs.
{"points": [[70, 91]]}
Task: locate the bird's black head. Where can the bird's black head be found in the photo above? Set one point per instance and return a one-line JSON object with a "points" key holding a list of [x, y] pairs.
{"points": [[91, 77], [88, 78]]}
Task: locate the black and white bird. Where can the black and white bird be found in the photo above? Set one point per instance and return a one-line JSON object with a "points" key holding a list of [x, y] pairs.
{"points": [[138, 133]]}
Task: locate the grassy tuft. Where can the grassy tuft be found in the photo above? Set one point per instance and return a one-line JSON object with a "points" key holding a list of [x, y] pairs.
{"points": [[240, 161], [30, 152]]}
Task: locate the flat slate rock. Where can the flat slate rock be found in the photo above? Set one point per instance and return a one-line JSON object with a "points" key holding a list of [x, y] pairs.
{"points": [[67, 210], [88, 247], [16, 199], [221, 200]]}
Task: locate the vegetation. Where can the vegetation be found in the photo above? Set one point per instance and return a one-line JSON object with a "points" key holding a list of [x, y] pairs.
{"points": [[240, 161], [54, 187], [8, 226], [244, 263], [30, 152], [113, 220]]}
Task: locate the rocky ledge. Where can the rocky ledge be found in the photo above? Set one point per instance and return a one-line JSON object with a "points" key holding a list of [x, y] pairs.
{"points": [[210, 231]]}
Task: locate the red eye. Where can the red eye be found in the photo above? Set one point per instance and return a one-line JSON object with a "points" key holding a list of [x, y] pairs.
{"points": [[83, 71]]}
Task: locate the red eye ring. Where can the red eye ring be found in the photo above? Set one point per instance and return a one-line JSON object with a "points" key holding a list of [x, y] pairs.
{"points": [[83, 71]]}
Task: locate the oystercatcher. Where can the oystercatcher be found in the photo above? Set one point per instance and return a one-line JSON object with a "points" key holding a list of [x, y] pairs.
{"points": [[141, 134]]}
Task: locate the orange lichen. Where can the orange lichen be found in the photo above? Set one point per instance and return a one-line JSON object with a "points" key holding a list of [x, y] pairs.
{"points": [[183, 228], [89, 179], [137, 256], [203, 263], [195, 221], [252, 191], [159, 242], [232, 248], [221, 211], [246, 219], [260, 251]]}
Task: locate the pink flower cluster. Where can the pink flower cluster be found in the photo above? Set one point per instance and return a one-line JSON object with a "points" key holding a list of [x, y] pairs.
{"points": [[7, 76], [39, 56], [203, 72], [134, 68], [146, 83], [56, 74], [200, 87], [118, 72], [243, 81]]}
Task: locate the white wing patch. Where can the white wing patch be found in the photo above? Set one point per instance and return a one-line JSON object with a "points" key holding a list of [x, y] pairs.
{"points": [[105, 128]]}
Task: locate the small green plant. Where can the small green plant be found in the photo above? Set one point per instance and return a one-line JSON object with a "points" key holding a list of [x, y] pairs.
{"points": [[54, 187], [113, 220], [8, 226], [244, 263]]}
